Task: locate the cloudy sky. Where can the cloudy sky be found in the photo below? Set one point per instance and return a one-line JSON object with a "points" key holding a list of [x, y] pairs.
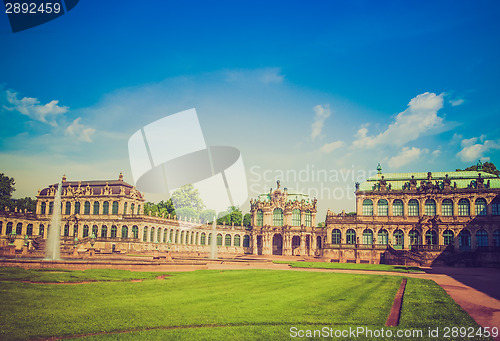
{"points": [[313, 94]]}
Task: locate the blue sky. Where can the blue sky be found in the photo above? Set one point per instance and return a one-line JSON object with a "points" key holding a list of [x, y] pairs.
{"points": [[300, 88]]}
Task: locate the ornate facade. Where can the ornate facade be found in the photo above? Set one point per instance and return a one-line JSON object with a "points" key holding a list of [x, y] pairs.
{"points": [[284, 224]]}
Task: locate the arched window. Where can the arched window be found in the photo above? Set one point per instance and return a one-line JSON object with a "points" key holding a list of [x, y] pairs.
{"points": [[145, 234], [481, 238], [383, 237], [480, 206], [43, 208], [158, 235], [260, 218], [219, 239], [51, 207], [77, 207], [278, 217], [367, 207], [165, 238], [414, 237], [463, 207], [382, 207], [431, 237], [398, 241], [75, 230], [227, 241], [41, 229], [152, 234], [413, 208], [203, 238], [95, 230], [29, 230], [430, 207], [336, 236], [8, 229], [496, 238], [237, 240], [397, 208], [464, 240], [113, 231], [368, 237], [104, 231], [209, 239], [182, 240], [246, 241], [495, 207], [105, 208], [135, 231], [96, 207], [308, 218], [171, 236], [115, 207], [176, 236], [447, 207], [296, 217], [132, 208], [124, 231], [66, 230], [68, 208], [138, 209], [85, 232], [86, 207], [448, 237], [350, 236], [125, 208]]}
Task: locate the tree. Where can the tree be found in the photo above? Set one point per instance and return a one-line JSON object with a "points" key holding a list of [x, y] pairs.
{"points": [[207, 216], [247, 219], [26, 203], [233, 215], [6, 190], [187, 213], [187, 196], [488, 167]]}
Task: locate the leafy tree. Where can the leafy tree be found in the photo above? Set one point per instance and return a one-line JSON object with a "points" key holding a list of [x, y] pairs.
{"points": [[224, 217], [488, 167], [26, 203], [233, 215], [322, 224], [247, 219], [164, 208], [207, 216], [187, 196], [187, 213], [6, 190]]}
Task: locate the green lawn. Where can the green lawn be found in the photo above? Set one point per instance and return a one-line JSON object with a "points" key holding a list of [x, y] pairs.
{"points": [[214, 305], [352, 266]]}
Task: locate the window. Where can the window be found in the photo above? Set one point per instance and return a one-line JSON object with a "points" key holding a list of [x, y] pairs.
{"points": [[382, 207], [203, 238], [105, 208], [308, 218], [481, 238], [182, 240], [296, 217], [209, 239], [138, 209], [165, 232], [350, 236], [237, 240], [96, 207], [41, 229], [177, 237], [246, 241], [86, 207], [464, 240], [113, 231], [495, 207], [66, 230], [431, 237], [95, 230], [19, 228], [43, 208], [132, 208], [413, 209], [397, 208], [480, 206], [8, 230], [29, 230], [125, 208], [398, 239], [115, 207], [496, 238], [124, 231], [219, 239], [278, 217], [260, 218], [383, 237], [430, 207], [85, 231], [104, 231], [68, 207], [447, 207], [367, 207], [227, 241], [75, 230], [463, 207], [77, 208], [51, 207], [414, 237], [158, 235], [336, 236], [171, 238], [135, 231], [368, 237], [152, 234], [448, 237]]}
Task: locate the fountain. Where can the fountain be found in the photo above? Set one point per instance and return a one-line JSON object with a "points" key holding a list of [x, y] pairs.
{"points": [[213, 242], [53, 248]]}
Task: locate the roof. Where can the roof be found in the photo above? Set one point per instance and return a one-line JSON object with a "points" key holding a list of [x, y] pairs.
{"points": [[97, 186]]}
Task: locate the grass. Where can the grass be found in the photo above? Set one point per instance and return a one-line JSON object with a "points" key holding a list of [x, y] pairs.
{"points": [[352, 266], [214, 305]]}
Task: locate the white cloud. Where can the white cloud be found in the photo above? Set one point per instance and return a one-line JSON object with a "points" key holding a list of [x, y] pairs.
{"points": [[322, 113], [272, 75], [80, 131], [436, 153], [456, 102], [32, 108], [473, 150], [330, 147], [420, 118], [265, 76], [406, 156]]}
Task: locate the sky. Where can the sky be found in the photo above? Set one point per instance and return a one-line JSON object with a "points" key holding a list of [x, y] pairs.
{"points": [[314, 94]]}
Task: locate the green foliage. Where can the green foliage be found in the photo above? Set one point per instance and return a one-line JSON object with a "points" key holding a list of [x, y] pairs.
{"points": [[163, 208], [26, 203], [187, 196], [187, 213], [247, 219], [233, 215], [207, 216], [488, 167], [321, 224], [6, 189]]}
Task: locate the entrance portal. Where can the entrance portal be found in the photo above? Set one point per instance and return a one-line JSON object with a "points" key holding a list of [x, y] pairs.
{"points": [[278, 244], [259, 245]]}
